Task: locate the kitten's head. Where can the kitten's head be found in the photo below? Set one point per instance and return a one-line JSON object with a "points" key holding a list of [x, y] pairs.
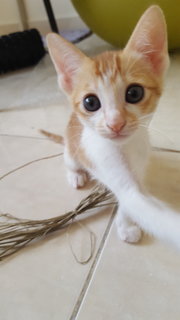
{"points": [[113, 91]]}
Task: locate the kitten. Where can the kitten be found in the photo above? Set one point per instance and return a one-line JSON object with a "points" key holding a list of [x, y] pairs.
{"points": [[111, 95]]}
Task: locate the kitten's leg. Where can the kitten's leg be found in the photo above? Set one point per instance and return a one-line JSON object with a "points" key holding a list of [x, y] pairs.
{"points": [[76, 175], [127, 230]]}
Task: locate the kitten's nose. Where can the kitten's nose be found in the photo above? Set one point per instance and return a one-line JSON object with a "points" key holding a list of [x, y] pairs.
{"points": [[116, 126]]}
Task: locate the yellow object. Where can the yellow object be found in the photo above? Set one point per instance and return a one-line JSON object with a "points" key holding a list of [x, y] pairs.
{"points": [[114, 20]]}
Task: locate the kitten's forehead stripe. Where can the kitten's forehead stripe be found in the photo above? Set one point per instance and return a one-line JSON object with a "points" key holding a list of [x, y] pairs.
{"points": [[131, 68], [107, 63]]}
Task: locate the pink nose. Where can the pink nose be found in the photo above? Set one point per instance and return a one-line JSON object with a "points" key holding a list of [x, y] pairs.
{"points": [[116, 127]]}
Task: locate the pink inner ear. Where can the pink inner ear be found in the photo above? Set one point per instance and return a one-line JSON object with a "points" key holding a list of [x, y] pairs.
{"points": [[66, 83], [156, 61], [66, 71], [155, 51], [67, 60], [67, 67]]}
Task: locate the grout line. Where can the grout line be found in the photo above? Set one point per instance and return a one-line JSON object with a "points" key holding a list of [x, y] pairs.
{"points": [[24, 137], [165, 150], [93, 268]]}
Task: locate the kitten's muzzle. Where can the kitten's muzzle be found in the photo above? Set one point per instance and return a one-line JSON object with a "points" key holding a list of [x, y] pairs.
{"points": [[117, 126], [122, 132]]}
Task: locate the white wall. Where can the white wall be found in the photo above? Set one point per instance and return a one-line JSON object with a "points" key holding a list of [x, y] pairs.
{"points": [[8, 12], [36, 15], [36, 10]]}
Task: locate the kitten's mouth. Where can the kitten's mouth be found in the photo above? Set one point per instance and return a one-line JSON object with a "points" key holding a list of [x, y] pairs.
{"points": [[122, 135], [119, 135]]}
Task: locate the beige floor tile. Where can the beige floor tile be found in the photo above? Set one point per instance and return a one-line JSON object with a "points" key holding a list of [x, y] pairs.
{"points": [[28, 122], [31, 87], [139, 281], [164, 127], [163, 177], [44, 281]]}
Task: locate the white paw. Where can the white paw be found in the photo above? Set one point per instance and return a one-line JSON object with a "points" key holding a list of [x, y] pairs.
{"points": [[131, 234], [77, 179]]}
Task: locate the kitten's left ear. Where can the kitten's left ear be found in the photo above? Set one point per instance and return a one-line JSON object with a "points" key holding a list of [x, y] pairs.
{"points": [[149, 38], [67, 60]]}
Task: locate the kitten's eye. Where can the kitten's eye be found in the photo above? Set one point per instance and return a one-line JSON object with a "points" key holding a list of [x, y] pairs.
{"points": [[134, 93], [91, 103]]}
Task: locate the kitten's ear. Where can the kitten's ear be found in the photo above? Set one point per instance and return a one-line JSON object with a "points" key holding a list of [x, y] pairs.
{"points": [[67, 60], [149, 38]]}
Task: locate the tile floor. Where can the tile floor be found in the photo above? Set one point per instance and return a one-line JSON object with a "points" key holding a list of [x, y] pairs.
{"points": [[43, 281]]}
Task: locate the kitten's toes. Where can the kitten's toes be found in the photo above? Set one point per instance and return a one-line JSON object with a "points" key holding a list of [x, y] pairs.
{"points": [[77, 179], [131, 234]]}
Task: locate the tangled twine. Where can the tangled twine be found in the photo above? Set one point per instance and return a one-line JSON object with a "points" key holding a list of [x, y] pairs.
{"points": [[16, 233]]}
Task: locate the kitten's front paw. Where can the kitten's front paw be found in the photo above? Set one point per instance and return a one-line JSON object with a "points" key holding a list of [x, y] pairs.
{"points": [[130, 234], [77, 179]]}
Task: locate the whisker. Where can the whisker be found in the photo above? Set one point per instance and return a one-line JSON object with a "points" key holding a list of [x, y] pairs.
{"points": [[77, 149], [75, 135], [158, 131], [146, 116], [74, 126]]}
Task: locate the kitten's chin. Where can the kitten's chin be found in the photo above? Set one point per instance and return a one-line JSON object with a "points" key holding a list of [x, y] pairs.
{"points": [[119, 138]]}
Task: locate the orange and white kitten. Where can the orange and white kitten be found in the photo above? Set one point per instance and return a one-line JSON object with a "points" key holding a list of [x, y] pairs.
{"points": [[111, 94]]}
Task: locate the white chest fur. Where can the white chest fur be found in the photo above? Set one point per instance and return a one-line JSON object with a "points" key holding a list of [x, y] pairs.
{"points": [[115, 163]]}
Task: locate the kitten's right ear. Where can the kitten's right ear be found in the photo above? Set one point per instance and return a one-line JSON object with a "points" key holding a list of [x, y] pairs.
{"points": [[67, 60]]}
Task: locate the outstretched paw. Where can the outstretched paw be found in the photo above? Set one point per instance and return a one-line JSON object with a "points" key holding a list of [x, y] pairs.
{"points": [[77, 179], [130, 234]]}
